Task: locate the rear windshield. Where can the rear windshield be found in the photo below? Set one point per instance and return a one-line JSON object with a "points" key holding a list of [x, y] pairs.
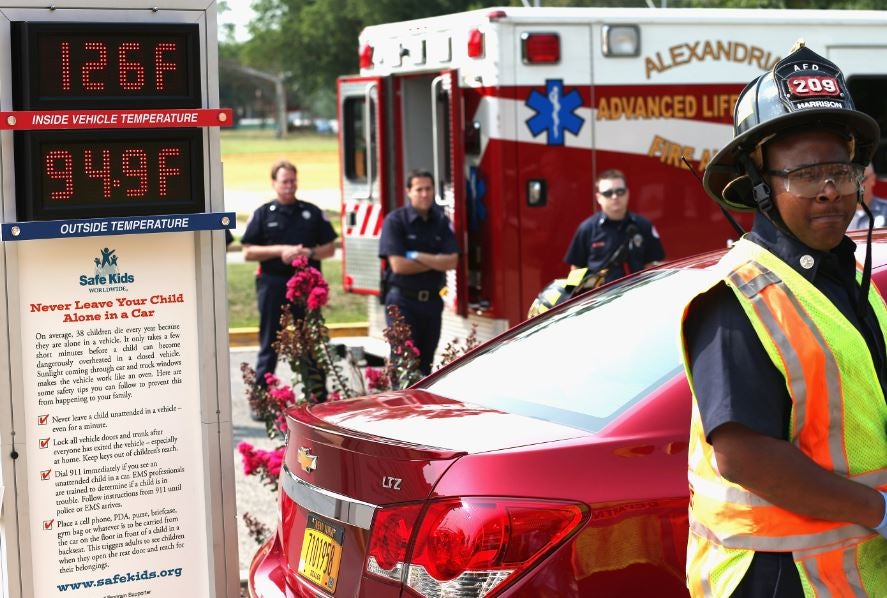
{"points": [[587, 365]]}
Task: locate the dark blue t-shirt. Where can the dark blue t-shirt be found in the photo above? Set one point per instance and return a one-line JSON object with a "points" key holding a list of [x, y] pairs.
{"points": [[598, 238], [405, 230], [298, 223]]}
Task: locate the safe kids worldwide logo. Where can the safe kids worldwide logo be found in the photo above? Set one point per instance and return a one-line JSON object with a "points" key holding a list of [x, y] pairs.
{"points": [[106, 274]]}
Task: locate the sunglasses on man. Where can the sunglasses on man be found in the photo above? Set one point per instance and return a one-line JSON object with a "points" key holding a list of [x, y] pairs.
{"points": [[619, 192]]}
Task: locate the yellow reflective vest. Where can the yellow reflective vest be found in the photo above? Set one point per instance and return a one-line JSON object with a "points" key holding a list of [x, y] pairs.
{"points": [[838, 419]]}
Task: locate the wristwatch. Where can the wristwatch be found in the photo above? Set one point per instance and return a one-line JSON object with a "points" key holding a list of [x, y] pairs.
{"points": [[311, 253]]}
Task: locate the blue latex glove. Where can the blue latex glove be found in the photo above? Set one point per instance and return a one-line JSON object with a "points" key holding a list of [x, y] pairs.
{"points": [[411, 255], [882, 527]]}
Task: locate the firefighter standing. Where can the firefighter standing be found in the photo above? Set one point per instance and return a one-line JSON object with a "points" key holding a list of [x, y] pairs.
{"points": [[600, 236], [419, 246], [278, 232], [786, 357]]}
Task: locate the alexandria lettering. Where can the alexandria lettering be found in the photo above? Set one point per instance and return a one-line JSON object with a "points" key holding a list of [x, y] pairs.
{"points": [[701, 51]]}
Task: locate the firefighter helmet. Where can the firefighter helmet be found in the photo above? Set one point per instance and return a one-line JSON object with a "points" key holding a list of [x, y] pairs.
{"points": [[561, 289], [803, 89]]}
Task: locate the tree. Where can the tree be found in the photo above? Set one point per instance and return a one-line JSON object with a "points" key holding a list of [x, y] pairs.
{"points": [[315, 41]]}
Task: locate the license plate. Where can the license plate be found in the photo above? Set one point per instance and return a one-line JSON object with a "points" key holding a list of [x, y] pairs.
{"points": [[321, 552]]}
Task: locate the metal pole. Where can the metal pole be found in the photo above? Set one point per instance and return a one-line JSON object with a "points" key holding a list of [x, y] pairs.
{"points": [[280, 99]]}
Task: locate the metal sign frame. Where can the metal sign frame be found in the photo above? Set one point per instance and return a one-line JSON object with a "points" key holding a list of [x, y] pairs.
{"points": [[18, 567]]}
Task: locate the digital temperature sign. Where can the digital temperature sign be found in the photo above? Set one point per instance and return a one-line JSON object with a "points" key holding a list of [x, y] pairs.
{"points": [[94, 67], [105, 65], [78, 174]]}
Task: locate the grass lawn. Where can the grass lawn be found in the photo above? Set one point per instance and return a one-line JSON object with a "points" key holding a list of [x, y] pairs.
{"points": [[343, 307], [247, 157]]}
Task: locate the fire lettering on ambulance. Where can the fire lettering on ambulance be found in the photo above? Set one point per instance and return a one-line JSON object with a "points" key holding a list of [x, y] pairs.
{"points": [[709, 106], [699, 51], [669, 153]]}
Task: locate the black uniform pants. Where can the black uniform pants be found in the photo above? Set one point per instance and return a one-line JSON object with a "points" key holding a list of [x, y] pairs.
{"points": [[271, 296], [424, 319], [770, 575]]}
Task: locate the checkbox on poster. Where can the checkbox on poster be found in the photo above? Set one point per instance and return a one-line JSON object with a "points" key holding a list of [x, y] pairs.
{"points": [[45, 474], [47, 523], [42, 420], [44, 443]]}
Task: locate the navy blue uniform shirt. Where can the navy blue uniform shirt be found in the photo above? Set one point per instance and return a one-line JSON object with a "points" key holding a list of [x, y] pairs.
{"points": [[597, 238], [734, 378], [293, 224], [405, 230]]}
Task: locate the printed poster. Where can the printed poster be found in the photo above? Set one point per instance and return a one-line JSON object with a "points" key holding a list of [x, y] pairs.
{"points": [[112, 416]]}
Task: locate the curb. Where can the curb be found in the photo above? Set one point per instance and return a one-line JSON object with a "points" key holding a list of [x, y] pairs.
{"points": [[249, 337]]}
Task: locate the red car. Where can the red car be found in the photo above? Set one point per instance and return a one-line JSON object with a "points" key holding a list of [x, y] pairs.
{"points": [[551, 461]]}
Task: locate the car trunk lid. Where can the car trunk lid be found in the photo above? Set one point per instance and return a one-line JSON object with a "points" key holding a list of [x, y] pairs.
{"points": [[346, 459]]}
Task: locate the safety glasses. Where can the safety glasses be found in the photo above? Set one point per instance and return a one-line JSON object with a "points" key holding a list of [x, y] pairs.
{"points": [[618, 192], [809, 181]]}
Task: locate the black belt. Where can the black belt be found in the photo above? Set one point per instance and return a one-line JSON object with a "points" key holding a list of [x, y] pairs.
{"points": [[418, 295]]}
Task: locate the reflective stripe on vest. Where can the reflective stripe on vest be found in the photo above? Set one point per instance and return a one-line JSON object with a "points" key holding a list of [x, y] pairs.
{"points": [[826, 363]]}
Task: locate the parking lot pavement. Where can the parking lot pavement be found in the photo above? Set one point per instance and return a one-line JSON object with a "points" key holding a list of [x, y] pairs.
{"points": [[252, 496]]}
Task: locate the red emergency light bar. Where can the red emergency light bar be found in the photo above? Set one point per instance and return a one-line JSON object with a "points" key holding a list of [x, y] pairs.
{"points": [[475, 44], [540, 48], [366, 57]]}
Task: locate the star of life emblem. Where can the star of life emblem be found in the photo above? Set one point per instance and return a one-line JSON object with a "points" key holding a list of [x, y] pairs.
{"points": [[555, 112]]}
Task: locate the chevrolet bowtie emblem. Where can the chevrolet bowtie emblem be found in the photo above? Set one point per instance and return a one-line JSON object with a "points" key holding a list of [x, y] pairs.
{"points": [[307, 461]]}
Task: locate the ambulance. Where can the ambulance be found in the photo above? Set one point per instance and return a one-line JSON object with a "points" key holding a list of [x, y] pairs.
{"points": [[517, 110]]}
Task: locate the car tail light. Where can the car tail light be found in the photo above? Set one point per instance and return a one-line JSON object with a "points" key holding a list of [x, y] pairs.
{"points": [[392, 528], [366, 57], [468, 547], [475, 44], [540, 48]]}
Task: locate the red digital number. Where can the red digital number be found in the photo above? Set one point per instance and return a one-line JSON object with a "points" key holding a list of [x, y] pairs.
{"points": [[131, 74], [814, 85], [97, 65], [103, 173], [135, 165], [65, 173], [66, 66], [124, 171]]}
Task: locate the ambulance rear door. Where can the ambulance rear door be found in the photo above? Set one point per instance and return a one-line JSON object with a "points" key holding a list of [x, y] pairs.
{"points": [[364, 179], [448, 165]]}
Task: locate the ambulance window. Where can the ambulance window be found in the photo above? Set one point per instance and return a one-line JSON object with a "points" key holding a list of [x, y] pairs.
{"points": [[355, 136], [868, 93]]}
